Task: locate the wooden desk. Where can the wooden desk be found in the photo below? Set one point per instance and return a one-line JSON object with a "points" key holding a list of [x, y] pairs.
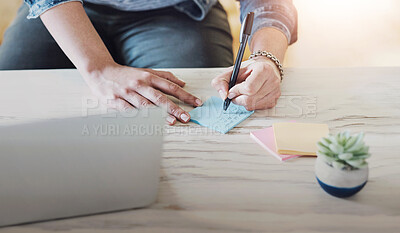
{"points": [[228, 183]]}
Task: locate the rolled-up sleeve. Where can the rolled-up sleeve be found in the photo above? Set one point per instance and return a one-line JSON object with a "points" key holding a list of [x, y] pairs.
{"points": [[38, 7], [279, 14]]}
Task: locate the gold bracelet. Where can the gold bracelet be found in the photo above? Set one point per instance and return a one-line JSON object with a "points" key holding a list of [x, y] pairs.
{"points": [[271, 57]]}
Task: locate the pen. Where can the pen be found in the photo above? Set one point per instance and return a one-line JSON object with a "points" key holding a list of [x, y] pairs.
{"points": [[245, 32]]}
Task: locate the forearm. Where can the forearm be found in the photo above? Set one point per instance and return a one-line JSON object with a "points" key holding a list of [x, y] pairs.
{"points": [[75, 34], [271, 40], [274, 27]]}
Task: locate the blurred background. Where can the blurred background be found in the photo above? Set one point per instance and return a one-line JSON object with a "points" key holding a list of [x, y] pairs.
{"points": [[332, 33]]}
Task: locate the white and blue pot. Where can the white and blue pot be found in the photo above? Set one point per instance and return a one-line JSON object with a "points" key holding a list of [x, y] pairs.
{"points": [[340, 183]]}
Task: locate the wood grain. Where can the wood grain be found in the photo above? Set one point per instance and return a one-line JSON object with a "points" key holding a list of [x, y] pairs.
{"points": [[227, 183]]}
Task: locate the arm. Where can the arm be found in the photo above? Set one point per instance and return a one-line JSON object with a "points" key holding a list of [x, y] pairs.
{"points": [[118, 86], [74, 33], [274, 28], [271, 40]]}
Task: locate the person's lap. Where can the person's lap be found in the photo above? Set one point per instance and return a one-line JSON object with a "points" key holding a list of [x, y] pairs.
{"points": [[172, 39], [153, 39]]}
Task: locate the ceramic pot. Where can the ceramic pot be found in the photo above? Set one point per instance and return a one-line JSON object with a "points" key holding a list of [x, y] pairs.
{"points": [[340, 183]]}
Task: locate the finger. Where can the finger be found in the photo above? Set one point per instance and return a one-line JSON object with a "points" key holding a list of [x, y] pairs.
{"points": [[221, 82], [251, 103], [243, 67], [160, 99], [269, 86], [244, 100], [171, 120], [123, 105], [136, 100], [168, 76], [250, 86], [269, 101], [119, 104], [173, 89]]}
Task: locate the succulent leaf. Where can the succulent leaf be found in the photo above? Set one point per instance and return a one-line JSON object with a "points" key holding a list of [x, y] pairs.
{"points": [[362, 165], [358, 144], [342, 138], [350, 142], [323, 148], [337, 149], [327, 158], [345, 156], [355, 163], [338, 165], [364, 156], [325, 141], [337, 138]]}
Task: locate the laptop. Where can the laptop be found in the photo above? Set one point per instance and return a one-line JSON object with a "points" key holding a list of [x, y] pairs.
{"points": [[79, 166]]}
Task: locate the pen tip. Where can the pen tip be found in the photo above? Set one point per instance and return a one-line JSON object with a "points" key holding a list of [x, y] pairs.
{"points": [[226, 104]]}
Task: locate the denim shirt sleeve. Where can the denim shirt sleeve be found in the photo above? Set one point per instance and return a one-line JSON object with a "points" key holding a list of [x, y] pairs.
{"points": [[279, 14], [38, 7]]}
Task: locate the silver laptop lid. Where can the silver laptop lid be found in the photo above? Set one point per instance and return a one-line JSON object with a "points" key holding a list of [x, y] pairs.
{"points": [[79, 166]]}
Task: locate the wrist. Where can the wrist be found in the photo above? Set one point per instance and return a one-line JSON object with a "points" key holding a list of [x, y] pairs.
{"points": [[96, 69], [271, 60], [269, 63], [271, 40]]}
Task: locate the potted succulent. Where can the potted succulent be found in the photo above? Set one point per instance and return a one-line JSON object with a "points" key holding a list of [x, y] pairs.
{"points": [[341, 169]]}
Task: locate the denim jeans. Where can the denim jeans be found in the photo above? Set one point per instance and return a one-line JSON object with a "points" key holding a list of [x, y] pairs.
{"points": [[162, 38]]}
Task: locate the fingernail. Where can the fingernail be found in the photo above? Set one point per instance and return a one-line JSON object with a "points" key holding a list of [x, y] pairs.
{"points": [[170, 119], [231, 95], [199, 102], [185, 117], [222, 94]]}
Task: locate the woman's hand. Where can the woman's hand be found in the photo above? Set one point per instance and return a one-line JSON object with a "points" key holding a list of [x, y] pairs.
{"points": [[257, 87], [124, 87]]}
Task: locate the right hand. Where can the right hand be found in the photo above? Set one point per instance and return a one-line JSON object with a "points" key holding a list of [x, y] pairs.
{"points": [[124, 87]]}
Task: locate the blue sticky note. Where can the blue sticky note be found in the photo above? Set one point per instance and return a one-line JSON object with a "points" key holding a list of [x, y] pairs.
{"points": [[212, 115]]}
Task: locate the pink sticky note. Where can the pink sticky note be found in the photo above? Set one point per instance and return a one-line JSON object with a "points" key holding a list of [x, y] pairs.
{"points": [[265, 137]]}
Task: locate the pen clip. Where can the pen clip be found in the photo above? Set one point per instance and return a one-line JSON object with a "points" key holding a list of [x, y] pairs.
{"points": [[245, 30]]}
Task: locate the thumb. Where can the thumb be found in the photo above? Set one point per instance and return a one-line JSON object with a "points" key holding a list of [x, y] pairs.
{"points": [[221, 83]]}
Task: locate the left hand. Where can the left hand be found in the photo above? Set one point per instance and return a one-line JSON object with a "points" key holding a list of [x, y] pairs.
{"points": [[257, 86]]}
